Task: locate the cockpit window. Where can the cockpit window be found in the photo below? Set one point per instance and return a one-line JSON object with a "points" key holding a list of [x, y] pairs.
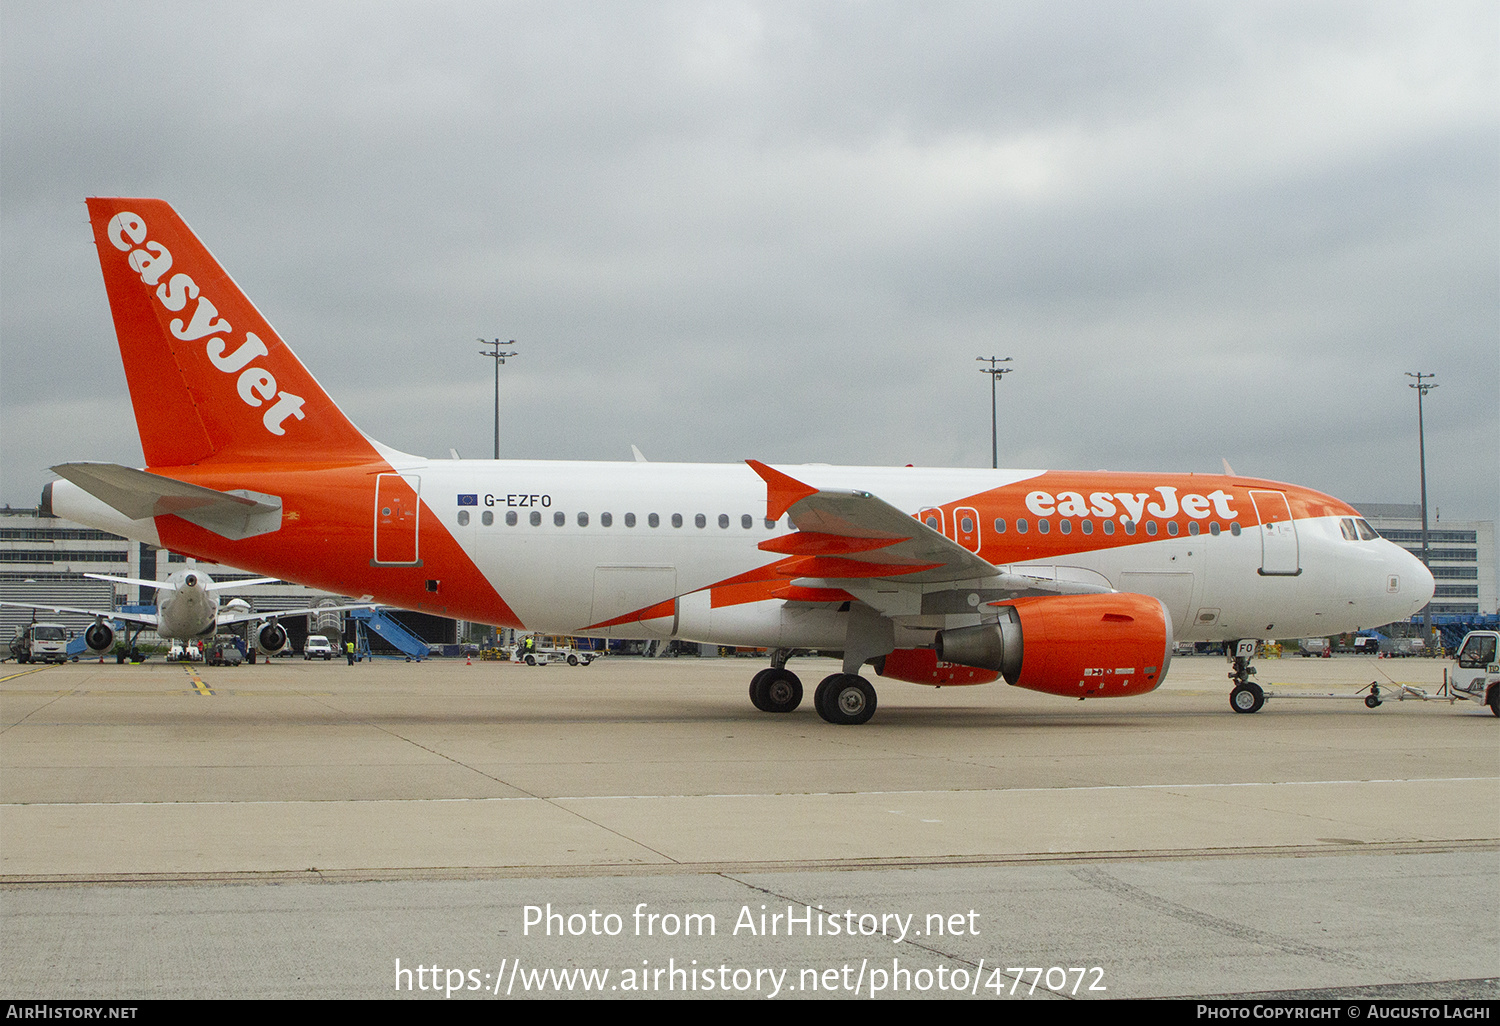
{"points": [[1366, 532], [1351, 533]]}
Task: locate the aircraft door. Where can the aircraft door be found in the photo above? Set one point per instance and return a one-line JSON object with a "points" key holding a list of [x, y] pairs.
{"points": [[1279, 554], [397, 512], [966, 527]]}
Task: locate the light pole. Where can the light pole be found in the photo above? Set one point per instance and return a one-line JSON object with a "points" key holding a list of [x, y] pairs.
{"points": [[994, 372], [499, 358], [1422, 451]]}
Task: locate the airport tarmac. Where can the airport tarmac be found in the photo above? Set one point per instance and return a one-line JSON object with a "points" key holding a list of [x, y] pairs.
{"points": [[293, 829]]}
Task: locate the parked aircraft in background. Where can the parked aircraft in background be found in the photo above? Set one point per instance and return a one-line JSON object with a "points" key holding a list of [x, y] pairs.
{"points": [[1075, 584], [188, 610]]}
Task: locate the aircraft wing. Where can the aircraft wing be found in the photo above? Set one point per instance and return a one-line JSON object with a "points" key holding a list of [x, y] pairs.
{"points": [[144, 619], [854, 535], [226, 618]]}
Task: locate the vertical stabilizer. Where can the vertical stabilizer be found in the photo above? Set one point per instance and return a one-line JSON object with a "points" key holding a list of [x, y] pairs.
{"points": [[209, 378]]}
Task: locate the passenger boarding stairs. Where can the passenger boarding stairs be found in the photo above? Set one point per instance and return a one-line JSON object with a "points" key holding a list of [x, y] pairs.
{"points": [[390, 630]]}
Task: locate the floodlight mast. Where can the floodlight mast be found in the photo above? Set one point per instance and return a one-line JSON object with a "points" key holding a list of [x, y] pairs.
{"points": [[1422, 453], [499, 358], [994, 372]]}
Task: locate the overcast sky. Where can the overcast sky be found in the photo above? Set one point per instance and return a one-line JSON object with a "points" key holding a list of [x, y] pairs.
{"points": [[786, 230]]}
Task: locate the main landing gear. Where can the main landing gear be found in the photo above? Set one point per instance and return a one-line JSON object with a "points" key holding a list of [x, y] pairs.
{"points": [[775, 690], [1247, 696], [843, 698]]}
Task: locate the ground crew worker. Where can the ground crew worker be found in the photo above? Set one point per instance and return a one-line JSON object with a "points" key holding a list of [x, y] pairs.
{"points": [[349, 650]]}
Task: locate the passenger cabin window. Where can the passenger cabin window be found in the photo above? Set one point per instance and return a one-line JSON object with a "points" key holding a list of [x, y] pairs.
{"points": [[558, 519], [700, 520], [629, 519], [536, 518], [1065, 526], [999, 525], [1109, 527], [510, 518], [606, 519], [1130, 527], [1043, 526], [1213, 528], [652, 520], [1020, 525], [746, 521], [723, 520], [463, 518], [1087, 527], [676, 519], [583, 520]]}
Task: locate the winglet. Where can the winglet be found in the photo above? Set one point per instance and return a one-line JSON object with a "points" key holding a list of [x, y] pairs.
{"points": [[782, 492]]}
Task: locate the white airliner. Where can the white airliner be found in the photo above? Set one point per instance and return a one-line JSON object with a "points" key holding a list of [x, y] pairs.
{"points": [[1075, 584], [188, 610]]}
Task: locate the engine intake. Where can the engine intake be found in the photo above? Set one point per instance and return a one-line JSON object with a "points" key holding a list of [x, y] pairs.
{"points": [[270, 638], [99, 637]]}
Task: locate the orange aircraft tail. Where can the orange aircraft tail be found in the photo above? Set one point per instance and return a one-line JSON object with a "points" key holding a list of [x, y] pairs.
{"points": [[210, 379]]}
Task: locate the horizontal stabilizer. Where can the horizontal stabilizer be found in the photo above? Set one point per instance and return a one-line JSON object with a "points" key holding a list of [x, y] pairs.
{"points": [[140, 495]]}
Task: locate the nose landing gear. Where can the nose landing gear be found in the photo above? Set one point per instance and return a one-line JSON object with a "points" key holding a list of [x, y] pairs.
{"points": [[1247, 696]]}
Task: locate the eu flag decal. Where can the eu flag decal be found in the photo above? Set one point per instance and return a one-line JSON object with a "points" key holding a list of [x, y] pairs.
{"points": [[468, 500]]}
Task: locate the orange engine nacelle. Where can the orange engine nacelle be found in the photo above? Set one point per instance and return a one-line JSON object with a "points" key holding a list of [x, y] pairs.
{"points": [[922, 666], [1089, 646]]}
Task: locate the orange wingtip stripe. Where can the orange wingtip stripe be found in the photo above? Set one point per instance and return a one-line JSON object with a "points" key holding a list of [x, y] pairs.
{"points": [[812, 543], [782, 492]]}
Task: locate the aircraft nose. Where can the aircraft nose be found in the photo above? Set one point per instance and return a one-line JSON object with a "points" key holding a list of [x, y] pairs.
{"points": [[1408, 579]]}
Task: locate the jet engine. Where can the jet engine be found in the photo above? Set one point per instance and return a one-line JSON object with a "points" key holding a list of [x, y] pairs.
{"points": [[270, 637], [1089, 646], [99, 636]]}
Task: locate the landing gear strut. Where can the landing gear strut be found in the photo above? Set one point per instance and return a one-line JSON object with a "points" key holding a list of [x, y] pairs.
{"points": [[1247, 696]]}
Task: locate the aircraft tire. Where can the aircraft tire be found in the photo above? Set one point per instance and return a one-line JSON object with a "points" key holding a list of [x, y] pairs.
{"points": [[845, 699], [1493, 699], [1372, 701], [758, 690], [780, 691], [1247, 698]]}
